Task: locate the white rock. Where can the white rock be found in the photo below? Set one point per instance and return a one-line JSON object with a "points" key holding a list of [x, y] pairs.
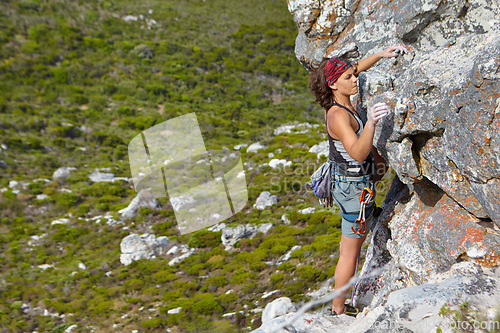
{"points": [[254, 147], [308, 210], [285, 219], [97, 176], [176, 310], [45, 266], [142, 199], [217, 227], [135, 247], [41, 196], [81, 265], [274, 163], [266, 295], [70, 328], [230, 236], [287, 255], [179, 259], [303, 128], [321, 149], [60, 221], [238, 147], [62, 173], [276, 308], [264, 200]]}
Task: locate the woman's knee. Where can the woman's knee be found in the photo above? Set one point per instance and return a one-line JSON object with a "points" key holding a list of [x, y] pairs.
{"points": [[350, 247]]}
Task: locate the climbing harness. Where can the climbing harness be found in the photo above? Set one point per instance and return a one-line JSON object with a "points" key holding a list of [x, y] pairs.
{"points": [[364, 199]]}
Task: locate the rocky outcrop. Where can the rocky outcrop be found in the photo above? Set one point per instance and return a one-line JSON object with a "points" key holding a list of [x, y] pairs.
{"points": [[142, 199], [277, 308], [265, 199], [62, 173], [442, 138], [135, 247], [230, 236], [420, 308]]}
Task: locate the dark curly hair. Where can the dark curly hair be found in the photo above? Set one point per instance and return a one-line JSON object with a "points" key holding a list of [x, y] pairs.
{"points": [[317, 81]]}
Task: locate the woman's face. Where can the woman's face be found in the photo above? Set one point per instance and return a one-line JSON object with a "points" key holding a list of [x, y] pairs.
{"points": [[347, 83]]}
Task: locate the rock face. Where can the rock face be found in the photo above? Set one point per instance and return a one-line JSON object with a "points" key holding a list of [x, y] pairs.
{"points": [[442, 138]]}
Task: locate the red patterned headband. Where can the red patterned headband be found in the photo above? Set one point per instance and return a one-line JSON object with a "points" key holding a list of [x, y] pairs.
{"points": [[334, 69]]}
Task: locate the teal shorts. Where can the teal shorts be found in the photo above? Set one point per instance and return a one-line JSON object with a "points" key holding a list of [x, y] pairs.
{"points": [[346, 193]]}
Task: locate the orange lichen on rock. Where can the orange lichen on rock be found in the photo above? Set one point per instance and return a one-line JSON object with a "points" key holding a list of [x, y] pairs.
{"points": [[489, 260]]}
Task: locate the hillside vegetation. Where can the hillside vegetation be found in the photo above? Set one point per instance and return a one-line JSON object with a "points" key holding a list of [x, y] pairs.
{"points": [[79, 80]]}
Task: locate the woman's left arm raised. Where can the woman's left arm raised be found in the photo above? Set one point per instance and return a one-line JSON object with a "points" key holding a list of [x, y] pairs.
{"points": [[390, 52]]}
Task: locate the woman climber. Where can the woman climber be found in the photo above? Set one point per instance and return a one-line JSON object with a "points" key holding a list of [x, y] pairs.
{"points": [[356, 164]]}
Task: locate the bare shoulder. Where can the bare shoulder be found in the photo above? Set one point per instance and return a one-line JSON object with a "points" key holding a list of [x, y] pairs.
{"points": [[338, 113]]}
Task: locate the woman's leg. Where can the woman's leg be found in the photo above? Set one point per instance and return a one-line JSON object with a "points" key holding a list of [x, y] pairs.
{"points": [[349, 251]]}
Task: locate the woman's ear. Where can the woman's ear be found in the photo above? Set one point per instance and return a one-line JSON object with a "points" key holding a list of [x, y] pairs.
{"points": [[333, 86]]}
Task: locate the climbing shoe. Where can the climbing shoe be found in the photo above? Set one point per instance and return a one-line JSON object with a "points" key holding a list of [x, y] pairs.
{"points": [[348, 310]]}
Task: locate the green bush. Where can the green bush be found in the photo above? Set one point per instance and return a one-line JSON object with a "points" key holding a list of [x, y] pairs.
{"points": [[218, 281], [206, 304], [153, 323], [310, 274], [134, 284], [205, 238]]}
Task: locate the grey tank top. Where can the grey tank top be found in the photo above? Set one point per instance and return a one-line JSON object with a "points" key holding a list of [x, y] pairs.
{"points": [[346, 165]]}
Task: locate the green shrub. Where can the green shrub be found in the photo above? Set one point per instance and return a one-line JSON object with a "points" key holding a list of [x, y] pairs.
{"points": [[16, 305], [277, 278], [206, 304], [134, 284], [228, 299], [205, 238], [310, 274], [153, 323], [218, 281]]}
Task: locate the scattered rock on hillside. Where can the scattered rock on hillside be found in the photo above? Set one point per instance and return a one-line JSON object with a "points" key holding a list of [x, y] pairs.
{"points": [[62, 173], [308, 210], [301, 128], [146, 246], [185, 253], [275, 163], [265, 199], [254, 147], [320, 149], [238, 147], [230, 236], [142, 199], [98, 176], [60, 221]]}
